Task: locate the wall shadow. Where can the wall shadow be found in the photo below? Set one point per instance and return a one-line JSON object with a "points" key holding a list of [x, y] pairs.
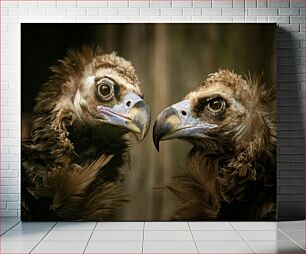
{"points": [[291, 132]]}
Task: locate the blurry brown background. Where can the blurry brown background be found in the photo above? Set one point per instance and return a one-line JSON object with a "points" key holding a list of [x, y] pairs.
{"points": [[171, 60]]}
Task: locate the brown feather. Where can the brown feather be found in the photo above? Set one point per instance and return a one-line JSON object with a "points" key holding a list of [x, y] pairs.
{"points": [[58, 181], [232, 176]]}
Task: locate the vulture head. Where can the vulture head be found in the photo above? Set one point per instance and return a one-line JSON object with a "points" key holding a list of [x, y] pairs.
{"points": [[91, 97], [109, 96], [230, 170], [225, 112], [72, 167]]}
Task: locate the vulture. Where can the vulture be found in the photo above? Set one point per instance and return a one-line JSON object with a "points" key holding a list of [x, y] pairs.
{"points": [[72, 164], [230, 170]]}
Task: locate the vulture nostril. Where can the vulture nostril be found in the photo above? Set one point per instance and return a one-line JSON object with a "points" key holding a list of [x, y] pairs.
{"points": [[184, 113], [128, 103]]}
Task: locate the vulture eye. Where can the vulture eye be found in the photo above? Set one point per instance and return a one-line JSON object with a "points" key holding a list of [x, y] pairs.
{"points": [[216, 105], [106, 89]]}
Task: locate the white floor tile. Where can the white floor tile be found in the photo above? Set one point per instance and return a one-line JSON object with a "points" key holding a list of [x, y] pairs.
{"points": [[273, 223], [17, 247], [114, 247], [252, 225], [169, 247], [69, 236], [211, 225], [216, 236], [3, 230], [9, 220], [119, 226], [301, 243], [99, 236], [23, 236], [63, 226], [297, 235], [166, 226], [60, 247], [273, 235], [33, 226], [167, 236], [291, 225], [276, 247], [7, 225], [223, 247]]}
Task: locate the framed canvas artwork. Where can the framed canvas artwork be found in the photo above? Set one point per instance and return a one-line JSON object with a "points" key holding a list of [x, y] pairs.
{"points": [[148, 122]]}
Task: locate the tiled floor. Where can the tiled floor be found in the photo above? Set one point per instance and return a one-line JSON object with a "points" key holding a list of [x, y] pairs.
{"points": [[152, 237]]}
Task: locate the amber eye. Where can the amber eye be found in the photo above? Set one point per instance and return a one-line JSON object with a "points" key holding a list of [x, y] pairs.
{"points": [[216, 105], [106, 89]]}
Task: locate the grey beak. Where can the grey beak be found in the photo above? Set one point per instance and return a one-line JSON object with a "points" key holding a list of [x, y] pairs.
{"points": [[177, 121], [132, 114]]}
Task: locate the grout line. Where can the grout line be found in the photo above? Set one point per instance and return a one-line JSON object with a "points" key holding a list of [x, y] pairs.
{"points": [[244, 240], [143, 231], [290, 238], [125, 230], [158, 230], [42, 238], [10, 228], [90, 237], [273, 225], [193, 237], [232, 226]]}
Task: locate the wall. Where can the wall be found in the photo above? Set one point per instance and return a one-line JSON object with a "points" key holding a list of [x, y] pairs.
{"points": [[289, 15]]}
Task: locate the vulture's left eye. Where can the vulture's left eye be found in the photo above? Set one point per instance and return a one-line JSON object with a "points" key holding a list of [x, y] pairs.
{"points": [[216, 105], [106, 89]]}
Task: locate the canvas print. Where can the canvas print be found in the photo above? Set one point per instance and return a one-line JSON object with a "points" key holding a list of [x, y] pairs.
{"points": [[148, 122]]}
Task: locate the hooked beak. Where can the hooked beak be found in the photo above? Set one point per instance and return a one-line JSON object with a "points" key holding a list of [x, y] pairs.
{"points": [[132, 114], [177, 121]]}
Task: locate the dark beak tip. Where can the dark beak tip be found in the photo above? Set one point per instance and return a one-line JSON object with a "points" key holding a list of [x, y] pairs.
{"points": [[143, 135], [145, 128], [143, 120], [156, 145], [156, 136]]}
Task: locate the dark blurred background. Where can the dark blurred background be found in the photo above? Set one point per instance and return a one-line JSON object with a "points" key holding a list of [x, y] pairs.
{"points": [[171, 60]]}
